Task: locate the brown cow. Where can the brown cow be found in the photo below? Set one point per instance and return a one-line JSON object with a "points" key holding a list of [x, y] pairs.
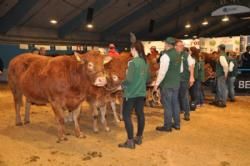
{"points": [[62, 81], [100, 97]]}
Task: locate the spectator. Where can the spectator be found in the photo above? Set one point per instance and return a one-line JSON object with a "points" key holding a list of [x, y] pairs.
{"points": [[42, 51], [1, 66], [112, 51], [245, 57], [233, 70]]}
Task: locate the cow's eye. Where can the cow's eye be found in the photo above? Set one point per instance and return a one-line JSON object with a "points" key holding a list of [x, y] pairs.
{"points": [[90, 66], [115, 77]]}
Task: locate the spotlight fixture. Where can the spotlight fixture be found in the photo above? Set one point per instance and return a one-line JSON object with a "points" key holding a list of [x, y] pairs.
{"points": [[195, 36], [186, 35], [205, 22], [188, 25], [225, 19], [53, 21], [90, 26], [89, 18]]}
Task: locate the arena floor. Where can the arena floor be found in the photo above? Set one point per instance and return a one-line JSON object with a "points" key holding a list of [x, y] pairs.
{"points": [[213, 137]]}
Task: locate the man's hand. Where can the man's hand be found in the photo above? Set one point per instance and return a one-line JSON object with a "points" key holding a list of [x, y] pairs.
{"points": [[1, 72], [155, 88], [119, 87], [191, 81]]}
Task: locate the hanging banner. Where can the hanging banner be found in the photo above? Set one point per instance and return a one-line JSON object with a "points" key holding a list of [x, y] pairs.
{"points": [[230, 9]]}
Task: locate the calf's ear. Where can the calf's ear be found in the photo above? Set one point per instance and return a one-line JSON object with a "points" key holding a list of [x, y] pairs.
{"points": [[78, 58], [107, 59]]}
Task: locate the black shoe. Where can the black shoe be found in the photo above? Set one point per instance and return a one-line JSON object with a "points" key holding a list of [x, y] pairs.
{"points": [[130, 144], [213, 103], [163, 128], [232, 100], [221, 104], [176, 127], [138, 140], [186, 118]]}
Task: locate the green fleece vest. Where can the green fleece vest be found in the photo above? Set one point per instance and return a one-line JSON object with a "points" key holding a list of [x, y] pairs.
{"points": [[233, 73], [186, 73], [136, 79], [173, 76], [199, 71], [219, 67]]}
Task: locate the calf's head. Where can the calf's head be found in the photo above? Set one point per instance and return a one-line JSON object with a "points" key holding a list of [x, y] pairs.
{"points": [[94, 67]]}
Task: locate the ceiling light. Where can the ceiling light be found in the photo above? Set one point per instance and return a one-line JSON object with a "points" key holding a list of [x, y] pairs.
{"points": [[53, 21], [90, 26], [188, 25], [186, 35], [195, 36], [245, 18], [205, 22], [225, 19]]}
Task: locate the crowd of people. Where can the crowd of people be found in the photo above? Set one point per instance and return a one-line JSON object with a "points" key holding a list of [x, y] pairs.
{"points": [[179, 79]]}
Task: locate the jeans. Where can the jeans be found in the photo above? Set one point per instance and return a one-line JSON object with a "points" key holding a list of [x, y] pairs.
{"points": [[170, 102], [128, 105], [221, 89], [197, 94], [230, 85], [184, 97]]}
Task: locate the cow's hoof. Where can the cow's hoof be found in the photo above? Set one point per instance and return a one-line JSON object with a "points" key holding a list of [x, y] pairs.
{"points": [[96, 130], [27, 122], [65, 139], [82, 136], [19, 124], [67, 134], [107, 129]]}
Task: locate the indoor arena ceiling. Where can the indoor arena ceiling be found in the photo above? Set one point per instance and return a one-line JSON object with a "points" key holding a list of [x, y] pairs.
{"points": [[29, 20]]}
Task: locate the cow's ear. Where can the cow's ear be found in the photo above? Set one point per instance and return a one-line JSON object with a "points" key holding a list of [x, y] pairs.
{"points": [[107, 59]]}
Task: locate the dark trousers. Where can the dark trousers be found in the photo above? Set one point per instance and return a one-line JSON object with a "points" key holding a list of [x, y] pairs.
{"points": [[128, 105], [170, 102], [197, 94], [184, 97]]}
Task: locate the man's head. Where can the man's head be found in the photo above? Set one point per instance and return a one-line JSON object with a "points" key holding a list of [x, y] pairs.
{"points": [[42, 51], [221, 48], [248, 48], [169, 42], [111, 46], [179, 46]]}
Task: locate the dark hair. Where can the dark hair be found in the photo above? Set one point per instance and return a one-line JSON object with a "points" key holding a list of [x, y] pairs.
{"points": [[195, 52], [140, 49]]}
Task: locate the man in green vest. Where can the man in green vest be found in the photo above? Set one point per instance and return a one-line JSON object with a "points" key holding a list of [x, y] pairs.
{"points": [[187, 80], [233, 71], [168, 80], [221, 77]]}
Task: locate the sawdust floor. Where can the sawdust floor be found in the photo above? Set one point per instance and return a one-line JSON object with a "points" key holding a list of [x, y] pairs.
{"points": [[213, 137]]}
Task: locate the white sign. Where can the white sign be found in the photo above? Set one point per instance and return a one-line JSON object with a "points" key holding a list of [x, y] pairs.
{"points": [[230, 9]]}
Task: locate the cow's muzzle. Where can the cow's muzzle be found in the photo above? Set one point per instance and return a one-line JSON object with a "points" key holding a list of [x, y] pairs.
{"points": [[100, 81]]}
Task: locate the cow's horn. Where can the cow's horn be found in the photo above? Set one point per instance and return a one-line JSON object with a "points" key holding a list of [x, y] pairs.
{"points": [[132, 37], [77, 57]]}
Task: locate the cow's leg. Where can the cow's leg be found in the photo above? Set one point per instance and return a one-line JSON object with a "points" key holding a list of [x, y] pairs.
{"points": [[95, 117], [27, 112], [69, 117], [18, 104], [103, 117], [60, 120], [121, 109], [113, 106], [76, 116]]}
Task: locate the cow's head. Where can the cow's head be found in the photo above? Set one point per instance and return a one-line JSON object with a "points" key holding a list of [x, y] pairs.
{"points": [[93, 64], [153, 64]]}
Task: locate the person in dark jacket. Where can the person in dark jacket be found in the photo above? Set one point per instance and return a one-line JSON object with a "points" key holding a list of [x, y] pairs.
{"points": [[134, 94], [245, 57], [233, 70], [1, 66]]}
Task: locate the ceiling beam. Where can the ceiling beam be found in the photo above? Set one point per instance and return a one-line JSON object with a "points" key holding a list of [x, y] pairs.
{"points": [[134, 16], [15, 14], [232, 28], [77, 21], [165, 20]]}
